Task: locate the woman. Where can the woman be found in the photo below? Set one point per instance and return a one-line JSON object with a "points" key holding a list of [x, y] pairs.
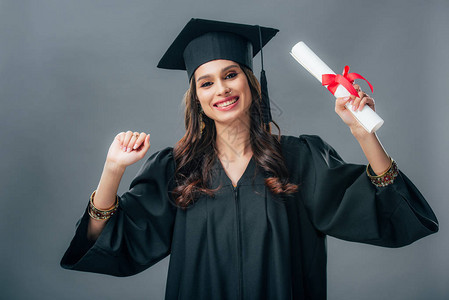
{"points": [[243, 213]]}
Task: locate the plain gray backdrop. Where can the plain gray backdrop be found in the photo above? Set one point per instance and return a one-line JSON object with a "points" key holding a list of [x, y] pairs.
{"points": [[75, 73]]}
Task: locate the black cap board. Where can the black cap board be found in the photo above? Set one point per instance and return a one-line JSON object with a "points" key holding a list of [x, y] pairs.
{"points": [[201, 41]]}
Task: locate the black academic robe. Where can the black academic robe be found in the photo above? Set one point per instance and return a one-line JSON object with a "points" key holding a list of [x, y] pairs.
{"points": [[245, 243]]}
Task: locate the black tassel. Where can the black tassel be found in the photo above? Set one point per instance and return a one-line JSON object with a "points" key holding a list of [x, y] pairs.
{"points": [[266, 111]]}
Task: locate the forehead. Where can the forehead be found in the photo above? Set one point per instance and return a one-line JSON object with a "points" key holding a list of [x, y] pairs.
{"points": [[215, 66]]}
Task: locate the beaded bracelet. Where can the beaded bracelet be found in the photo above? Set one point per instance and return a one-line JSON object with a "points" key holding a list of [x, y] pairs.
{"points": [[385, 178], [99, 214]]}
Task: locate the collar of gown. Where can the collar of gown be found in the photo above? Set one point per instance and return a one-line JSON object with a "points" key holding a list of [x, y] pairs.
{"points": [[249, 176]]}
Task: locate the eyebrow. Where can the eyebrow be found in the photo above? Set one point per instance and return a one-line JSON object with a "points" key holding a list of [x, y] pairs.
{"points": [[222, 70]]}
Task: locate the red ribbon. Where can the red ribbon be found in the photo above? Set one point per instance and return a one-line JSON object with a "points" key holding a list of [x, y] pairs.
{"points": [[347, 79]]}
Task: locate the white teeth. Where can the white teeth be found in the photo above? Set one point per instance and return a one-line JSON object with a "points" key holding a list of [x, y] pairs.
{"points": [[223, 104]]}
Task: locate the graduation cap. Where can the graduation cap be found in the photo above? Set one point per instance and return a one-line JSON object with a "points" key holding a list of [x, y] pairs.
{"points": [[201, 41]]}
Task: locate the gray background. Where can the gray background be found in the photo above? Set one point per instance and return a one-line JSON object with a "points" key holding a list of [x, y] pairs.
{"points": [[75, 73]]}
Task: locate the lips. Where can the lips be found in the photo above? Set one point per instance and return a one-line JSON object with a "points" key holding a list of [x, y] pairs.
{"points": [[225, 100]]}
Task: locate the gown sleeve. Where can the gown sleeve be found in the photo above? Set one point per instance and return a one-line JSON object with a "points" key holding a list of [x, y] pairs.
{"points": [[139, 234], [342, 202]]}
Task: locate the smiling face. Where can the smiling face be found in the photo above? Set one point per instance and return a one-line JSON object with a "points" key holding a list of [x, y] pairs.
{"points": [[223, 91]]}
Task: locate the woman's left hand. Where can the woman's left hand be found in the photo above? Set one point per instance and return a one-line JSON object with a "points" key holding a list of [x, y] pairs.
{"points": [[357, 104]]}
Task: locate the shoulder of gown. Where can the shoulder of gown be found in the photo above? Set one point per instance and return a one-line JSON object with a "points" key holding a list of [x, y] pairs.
{"points": [[342, 202], [139, 234]]}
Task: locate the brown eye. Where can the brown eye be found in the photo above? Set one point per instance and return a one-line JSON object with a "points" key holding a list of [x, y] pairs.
{"points": [[206, 84], [231, 75]]}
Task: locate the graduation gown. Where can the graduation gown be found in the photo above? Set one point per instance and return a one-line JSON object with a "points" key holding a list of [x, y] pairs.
{"points": [[245, 243]]}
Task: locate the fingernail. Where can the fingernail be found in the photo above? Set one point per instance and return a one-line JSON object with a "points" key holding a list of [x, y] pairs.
{"points": [[124, 148], [129, 149], [135, 147]]}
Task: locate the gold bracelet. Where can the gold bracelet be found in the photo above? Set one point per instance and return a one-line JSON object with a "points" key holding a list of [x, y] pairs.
{"points": [[377, 176], [387, 177], [100, 214]]}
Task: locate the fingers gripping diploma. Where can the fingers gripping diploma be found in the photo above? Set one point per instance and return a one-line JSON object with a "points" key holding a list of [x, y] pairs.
{"points": [[128, 148], [357, 104]]}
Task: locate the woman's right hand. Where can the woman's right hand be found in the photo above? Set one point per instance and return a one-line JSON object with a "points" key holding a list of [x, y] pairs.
{"points": [[128, 148]]}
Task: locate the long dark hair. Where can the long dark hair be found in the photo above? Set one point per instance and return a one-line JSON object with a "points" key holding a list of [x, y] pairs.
{"points": [[196, 151]]}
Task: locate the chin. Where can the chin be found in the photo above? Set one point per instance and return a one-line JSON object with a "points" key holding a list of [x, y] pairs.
{"points": [[232, 118]]}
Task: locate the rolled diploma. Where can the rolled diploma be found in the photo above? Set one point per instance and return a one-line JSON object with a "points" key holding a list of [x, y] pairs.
{"points": [[312, 63]]}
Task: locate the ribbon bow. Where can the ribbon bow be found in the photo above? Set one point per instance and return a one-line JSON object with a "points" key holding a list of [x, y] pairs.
{"points": [[347, 79]]}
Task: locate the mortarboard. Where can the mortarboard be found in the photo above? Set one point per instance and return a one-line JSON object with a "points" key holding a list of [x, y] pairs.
{"points": [[201, 41]]}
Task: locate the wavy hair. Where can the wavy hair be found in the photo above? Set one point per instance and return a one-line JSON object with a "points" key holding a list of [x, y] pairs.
{"points": [[196, 151]]}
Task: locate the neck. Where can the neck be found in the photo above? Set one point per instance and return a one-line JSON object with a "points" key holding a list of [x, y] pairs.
{"points": [[233, 140]]}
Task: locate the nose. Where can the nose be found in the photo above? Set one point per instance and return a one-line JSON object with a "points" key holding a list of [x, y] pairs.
{"points": [[222, 88]]}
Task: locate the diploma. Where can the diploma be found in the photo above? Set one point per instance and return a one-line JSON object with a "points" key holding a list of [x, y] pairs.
{"points": [[312, 63]]}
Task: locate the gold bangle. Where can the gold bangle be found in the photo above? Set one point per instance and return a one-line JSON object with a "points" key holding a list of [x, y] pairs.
{"points": [[387, 177], [100, 214], [383, 174]]}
